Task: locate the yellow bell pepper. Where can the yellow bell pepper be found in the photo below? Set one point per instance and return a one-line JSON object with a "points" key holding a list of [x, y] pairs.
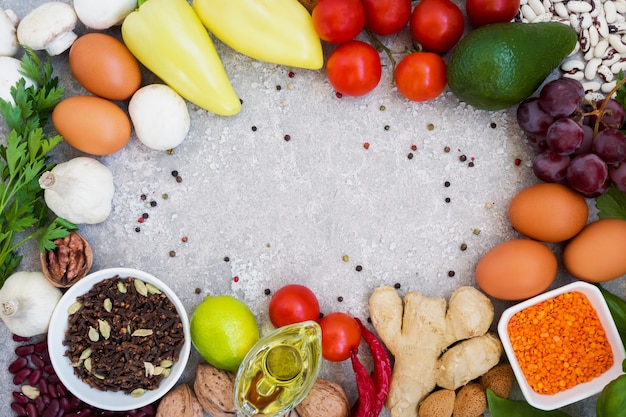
{"points": [[169, 39], [276, 31]]}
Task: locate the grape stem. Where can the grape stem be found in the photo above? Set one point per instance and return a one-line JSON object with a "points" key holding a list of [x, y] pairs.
{"points": [[599, 111]]}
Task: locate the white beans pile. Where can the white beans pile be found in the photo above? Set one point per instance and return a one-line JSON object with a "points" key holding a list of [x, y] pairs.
{"points": [[600, 52]]}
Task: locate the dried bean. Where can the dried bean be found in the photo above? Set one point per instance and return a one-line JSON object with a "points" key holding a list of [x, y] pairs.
{"points": [[48, 369], [54, 379], [40, 404], [17, 338], [52, 388], [65, 404], [61, 390], [31, 410], [38, 361], [18, 408], [20, 398], [21, 376], [35, 376], [18, 364], [41, 346], [53, 409], [46, 399], [24, 350], [43, 386]]}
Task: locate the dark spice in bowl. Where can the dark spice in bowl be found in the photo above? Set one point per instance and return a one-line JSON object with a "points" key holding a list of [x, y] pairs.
{"points": [[123, 335]]}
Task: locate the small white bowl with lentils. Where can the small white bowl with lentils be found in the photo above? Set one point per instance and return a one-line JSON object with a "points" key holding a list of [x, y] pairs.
{"points": [[119, 339]]}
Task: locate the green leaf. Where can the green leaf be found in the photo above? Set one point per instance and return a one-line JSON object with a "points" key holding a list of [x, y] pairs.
{"points": [[503, 407], [58, 229], [612, 204]]}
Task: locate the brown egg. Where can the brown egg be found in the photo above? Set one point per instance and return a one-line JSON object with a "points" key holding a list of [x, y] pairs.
{"points": [[548, 212], [516, 269], [598, 253], [92, 124], [104, 66]]}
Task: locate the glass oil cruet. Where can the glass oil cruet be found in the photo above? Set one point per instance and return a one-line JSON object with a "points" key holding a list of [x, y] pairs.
{"points": [[279, 371]]}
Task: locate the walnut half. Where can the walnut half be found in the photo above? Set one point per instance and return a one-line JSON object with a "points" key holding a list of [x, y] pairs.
{"points": [[70, 261]]}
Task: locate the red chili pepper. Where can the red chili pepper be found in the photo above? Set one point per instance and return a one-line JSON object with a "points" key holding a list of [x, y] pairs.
{"points": [[382, 366], [366, 403]]}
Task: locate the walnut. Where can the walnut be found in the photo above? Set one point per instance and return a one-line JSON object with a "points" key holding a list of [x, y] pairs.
{"points": [[180, 402], [70, 261], [326, 399], [214, 389]]}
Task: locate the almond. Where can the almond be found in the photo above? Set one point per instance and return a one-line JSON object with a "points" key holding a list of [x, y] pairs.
{"points": [[180, 402], [214, 389], [327, 399]]}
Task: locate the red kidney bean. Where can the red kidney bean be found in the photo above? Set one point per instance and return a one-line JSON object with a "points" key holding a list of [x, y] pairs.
{"points": [[46, 399], [41, 346], [53, 379], [31, 410], [18, 338], [61, 390], [48, 369], [41, 405], [19, 409], [37, 361], [18, 364], [75, 402], [20, 398], [43, 386], [46, 357], [53, 408], [141, 414], [52, 389], [24, 350], [34, 377], [65, 404], [21, 376]]}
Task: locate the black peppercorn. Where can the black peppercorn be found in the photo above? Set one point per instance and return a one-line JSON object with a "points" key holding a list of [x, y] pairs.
{"points": [[174, 173], [359, 268], [267, 291], [397, 286]]}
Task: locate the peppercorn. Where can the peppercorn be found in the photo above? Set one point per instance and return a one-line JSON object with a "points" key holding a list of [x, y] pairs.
{"points": [[170, 151], [471, 164], [338, 94], [430, 126], [448, 199], [387, 127], [153, 203], [145, 215], [366, 145], [164, 196], [518, 161], [254, 128], [267, 291], [463, 247], [410, 155], [179, 178], [226, 259], [172, 253], [492, 125], [143, 197], [414, 147], [345, 258], [446, 184], [382, 108], [291, 74], [174, 173], [198, 291], [450, 274], [278, 88], [359, 268], [446, 149], [462, 158], [184, 239], [287, 138], [397, 285], [137, 229], [340, 299]]}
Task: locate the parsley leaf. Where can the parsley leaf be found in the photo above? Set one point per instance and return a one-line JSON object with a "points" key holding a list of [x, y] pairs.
{"points": [[612, 204], [22, 161]]}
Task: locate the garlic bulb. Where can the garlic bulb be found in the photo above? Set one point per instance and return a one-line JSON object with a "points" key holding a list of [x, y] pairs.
{"points": [[79, 190], [27, 300]]}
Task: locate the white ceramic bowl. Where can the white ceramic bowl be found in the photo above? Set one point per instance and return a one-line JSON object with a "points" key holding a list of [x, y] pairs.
{"points": [[108, 400], [580, 391]]}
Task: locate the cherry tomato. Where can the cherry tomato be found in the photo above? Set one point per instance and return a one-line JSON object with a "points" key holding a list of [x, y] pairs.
{"points": [[484, 12], [293, 303], [340, 334], [421, 76], [386, 17], [437, 25], [338, 21], [354, 68]]}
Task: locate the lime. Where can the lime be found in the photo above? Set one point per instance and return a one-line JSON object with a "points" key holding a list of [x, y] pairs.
{"points": [[223, 329]]}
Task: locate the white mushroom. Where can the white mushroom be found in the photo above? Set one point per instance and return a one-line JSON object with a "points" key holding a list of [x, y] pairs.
{"points": [[8, 36], [9, 76], [50, 27], [160, 116], [103, 14]]}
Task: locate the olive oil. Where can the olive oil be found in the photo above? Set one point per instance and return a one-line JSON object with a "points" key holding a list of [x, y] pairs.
{"points": [[279, 370]]}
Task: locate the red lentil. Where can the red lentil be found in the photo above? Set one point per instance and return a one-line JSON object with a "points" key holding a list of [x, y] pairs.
{"points": [[560, 343]]}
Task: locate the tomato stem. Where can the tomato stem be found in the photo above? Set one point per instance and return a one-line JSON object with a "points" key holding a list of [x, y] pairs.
{"points": [[382, 47]]}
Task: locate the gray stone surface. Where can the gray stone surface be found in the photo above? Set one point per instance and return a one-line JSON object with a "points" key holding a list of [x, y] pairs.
{"points": [[286, 212]]}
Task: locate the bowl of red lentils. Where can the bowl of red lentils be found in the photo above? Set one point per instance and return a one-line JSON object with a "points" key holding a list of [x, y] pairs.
{"points": [[563, 345]]}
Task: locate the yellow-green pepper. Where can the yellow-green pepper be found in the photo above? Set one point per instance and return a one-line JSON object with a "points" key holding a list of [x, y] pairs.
{"points": [[276, 31], [169, 39]]}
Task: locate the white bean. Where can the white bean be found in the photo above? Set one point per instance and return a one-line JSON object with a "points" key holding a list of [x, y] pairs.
{"points": [[600, 49], [574, 23], [594, 36], [618, 66], [591, 69], [605, 73], [575, 75], [596, 8], [611, 57], [579, 6], [544, 17], [528, 12], [572, 65], [547, 5], [602, 26], [585, 21], [620, 6], [584, 41], [537, 6], [523, 2], [591, 86], [607, 87], [610, 12], [616, 42], [561, 10]]}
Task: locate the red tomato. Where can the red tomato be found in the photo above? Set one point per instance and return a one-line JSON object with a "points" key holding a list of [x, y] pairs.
{"points": [[354, 68], [340, 334], [386, 17], [338, 21], [421, 76], [293, 303], [437, 25], [484, 12]]}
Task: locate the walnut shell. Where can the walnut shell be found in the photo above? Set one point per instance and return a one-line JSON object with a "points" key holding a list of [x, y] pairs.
{"points": [[327, 399], [180, 402], [214, 389], [69, 262]]}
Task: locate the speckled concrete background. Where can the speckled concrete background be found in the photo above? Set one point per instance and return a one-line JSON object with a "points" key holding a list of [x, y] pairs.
{"points": [[288, 211]]}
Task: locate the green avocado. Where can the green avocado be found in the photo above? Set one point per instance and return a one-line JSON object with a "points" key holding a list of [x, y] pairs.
{"points": [[497, 66]]}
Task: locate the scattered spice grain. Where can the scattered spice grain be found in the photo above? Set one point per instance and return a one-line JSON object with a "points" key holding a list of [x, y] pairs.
{"points": [[518, 162], [174, 173], [463, 247], [179, 178], [446, 149], [291, 74], [382, 108], [226, 259], [451, 274], [267, 291], [340, 299], [153, 203], [172, 253], [560, 343], [413, 147], [197, 290], [287, 138], [397, 285], [448, 199], [137, 229], [492, 125], [446, 184], [359, 268], [345, 258], [145, 215], [184, 239], [143, 197], [430, 126], [366, 145], [387, 127], [278, 88], [463, 158], [254, 128], [410, 155]]}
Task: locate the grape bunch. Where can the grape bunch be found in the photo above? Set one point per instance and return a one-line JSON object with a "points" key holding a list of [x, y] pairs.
{"points": [[578, 142]]}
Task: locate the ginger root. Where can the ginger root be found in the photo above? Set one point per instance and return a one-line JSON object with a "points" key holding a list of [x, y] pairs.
{"points": [[420, 331]]}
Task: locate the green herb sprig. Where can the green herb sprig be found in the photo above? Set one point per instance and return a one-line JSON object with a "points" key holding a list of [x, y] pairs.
{"points": [[23, 159]]}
